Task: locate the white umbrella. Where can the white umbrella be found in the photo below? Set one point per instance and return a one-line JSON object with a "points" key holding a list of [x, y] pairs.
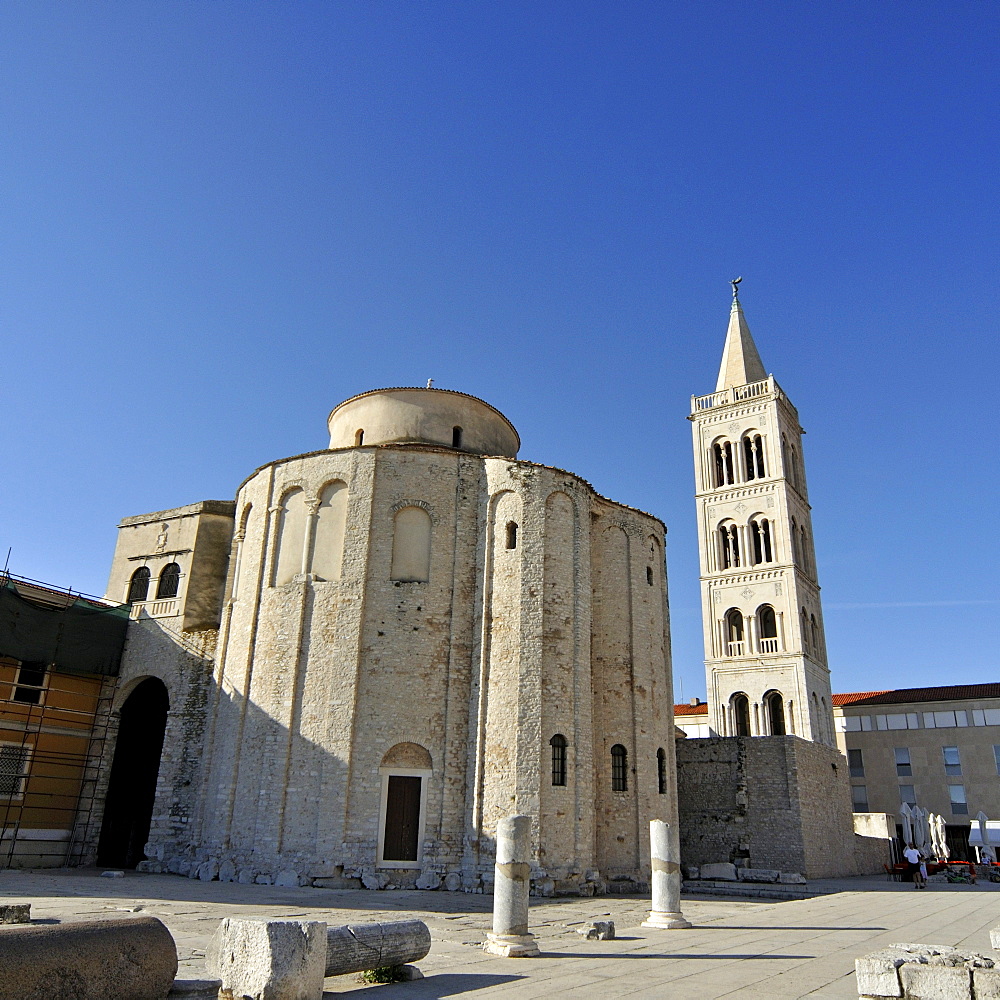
{"points": [[906, 815], [982, 819], [942, 845], [920, 838]]}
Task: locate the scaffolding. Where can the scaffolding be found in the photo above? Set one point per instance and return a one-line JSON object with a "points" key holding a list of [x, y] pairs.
{"points": [[53, 818]]}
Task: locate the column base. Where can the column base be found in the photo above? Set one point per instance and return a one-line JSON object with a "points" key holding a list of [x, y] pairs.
{"points": [[666, 921], [511, 945]]}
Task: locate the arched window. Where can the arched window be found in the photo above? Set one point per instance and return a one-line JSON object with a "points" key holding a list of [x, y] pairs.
{"points": [[760, 533], [649, 575], [753, 456], [775, 713], [661, 771], [359, 437], [291, 537], [558, 744], [411, 546], [804, 549], [795, 543], [804, 626], [511, 534], [734, 632], [814, 632], [741, 714], [619, 768], [767, 629], [456, 437], [786, 461], [729, 545], [722, 457], [331, 522], [138, 586], [169, 581]]}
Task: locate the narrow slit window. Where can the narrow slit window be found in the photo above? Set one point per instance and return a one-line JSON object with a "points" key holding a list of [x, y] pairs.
{"points": [[511, 534], [661, 771], [558, 745], [619, 768], [359, 437], [456, 437], [649, 575]]}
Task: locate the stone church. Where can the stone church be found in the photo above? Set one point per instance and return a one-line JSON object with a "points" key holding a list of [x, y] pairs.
{"points": [[351, 673]]}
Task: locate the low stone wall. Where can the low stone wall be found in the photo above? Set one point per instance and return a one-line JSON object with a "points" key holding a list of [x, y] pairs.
{"points": [[773, 802], [922, 971]]}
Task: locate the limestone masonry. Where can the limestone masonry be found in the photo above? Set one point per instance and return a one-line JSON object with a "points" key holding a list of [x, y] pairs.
{"points": [[383, 648]]}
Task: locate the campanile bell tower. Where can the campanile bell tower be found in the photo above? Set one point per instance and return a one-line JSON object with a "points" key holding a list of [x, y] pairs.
{"points": [[765, 653]]}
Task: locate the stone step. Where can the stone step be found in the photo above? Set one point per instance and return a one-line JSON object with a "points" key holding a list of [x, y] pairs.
{"points": [[748, 890]]}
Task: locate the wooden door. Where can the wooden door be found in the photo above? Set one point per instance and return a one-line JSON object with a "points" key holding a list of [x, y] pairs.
{"points": [[402, 818]]}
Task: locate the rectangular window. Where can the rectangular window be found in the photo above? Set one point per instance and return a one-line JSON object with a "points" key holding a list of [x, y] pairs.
{"points": [[857, 765], [13, 769], [996, 756], [881, 723], [912, 720], [978, 719], [866, 723], [903, 769], [852, 724], [961, 718], [992, 716], [952, 760], [944, 720], [959, 805], [30, 682], [908, 795], [929, 720], [859, 795], [897, 721]]}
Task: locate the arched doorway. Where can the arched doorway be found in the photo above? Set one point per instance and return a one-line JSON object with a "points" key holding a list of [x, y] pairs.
{"points": [[128, 807]]}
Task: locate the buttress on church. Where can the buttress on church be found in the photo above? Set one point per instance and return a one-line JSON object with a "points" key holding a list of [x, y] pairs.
{"points": [[350, 673]]}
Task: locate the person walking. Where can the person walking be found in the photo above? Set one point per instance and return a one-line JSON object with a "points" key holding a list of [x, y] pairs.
{"points": [[913, 859]]}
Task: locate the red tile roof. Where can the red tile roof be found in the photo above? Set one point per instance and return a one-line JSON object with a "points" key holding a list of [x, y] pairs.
{"points": [[700, 709], [905, 696]]}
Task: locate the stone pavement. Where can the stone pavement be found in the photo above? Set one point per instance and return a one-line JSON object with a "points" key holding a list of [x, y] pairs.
{"points": [[738, 948]]}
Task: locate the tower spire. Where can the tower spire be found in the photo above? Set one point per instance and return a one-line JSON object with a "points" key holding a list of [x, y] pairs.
{"points": [[740, 361]]}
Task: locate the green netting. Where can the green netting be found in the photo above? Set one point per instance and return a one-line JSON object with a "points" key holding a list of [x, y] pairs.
{"points": [[80, 639]]}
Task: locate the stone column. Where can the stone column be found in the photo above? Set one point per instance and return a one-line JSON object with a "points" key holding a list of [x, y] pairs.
{"points": [[666, 912], [510, 937]]}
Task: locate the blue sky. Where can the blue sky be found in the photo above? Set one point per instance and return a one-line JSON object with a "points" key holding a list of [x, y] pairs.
{"points": [[220, 219]]}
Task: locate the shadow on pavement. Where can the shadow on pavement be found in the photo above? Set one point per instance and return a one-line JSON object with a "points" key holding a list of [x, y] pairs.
{"points": [[442, 984]]}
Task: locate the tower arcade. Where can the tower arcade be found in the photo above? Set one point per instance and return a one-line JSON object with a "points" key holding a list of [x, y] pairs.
{"points": [[765, 652]]}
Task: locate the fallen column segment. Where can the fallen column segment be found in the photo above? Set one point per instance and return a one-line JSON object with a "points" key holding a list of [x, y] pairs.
{"points": [[117, 958], [289, 959]]}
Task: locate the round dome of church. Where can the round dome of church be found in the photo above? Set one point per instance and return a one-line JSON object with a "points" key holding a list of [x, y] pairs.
{"points": [[422, 416]]}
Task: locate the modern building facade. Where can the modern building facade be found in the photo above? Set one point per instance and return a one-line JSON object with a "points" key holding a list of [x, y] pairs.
{"points": [[938, 748], [765, 651]]}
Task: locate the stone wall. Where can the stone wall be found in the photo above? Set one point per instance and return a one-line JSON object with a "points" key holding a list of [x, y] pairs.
{"points": [[776, 802], [557, 627]]}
